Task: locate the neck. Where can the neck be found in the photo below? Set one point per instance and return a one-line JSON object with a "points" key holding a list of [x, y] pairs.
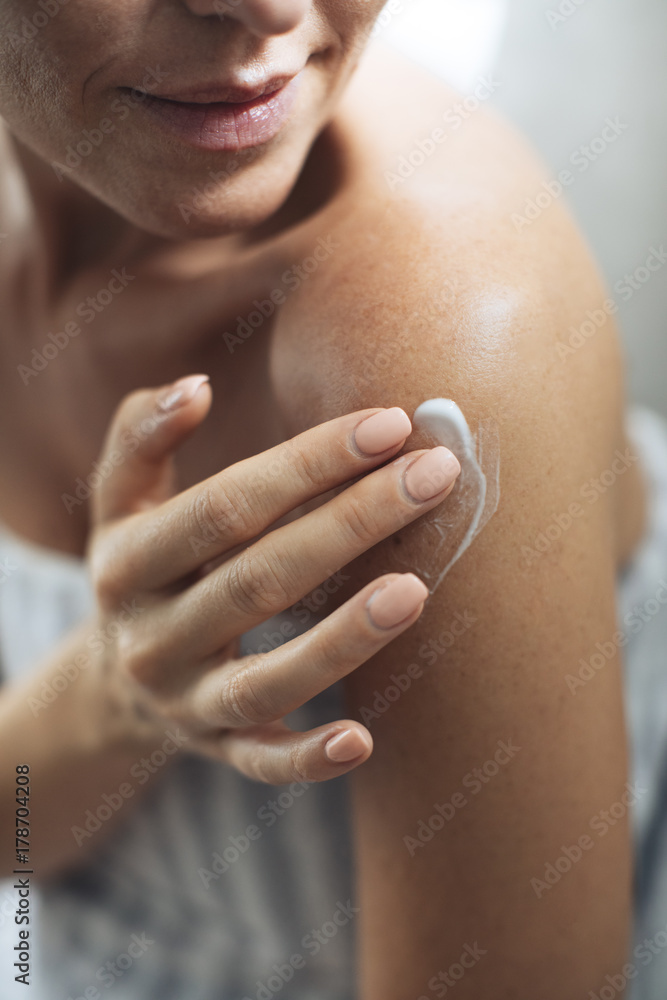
{"points": [[80, 230]]}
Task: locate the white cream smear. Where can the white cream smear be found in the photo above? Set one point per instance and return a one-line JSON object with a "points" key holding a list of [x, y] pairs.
{"points": [[474, 500]]}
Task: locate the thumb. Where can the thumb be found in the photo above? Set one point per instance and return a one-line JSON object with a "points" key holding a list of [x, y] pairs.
{"points": [[146, 429]]}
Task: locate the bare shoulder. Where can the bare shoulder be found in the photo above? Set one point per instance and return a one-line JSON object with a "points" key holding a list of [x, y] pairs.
{"points": [[431, 290], [436, 285]]}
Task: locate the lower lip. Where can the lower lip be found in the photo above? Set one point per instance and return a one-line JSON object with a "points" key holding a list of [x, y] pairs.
{"points": [[227, 126]]}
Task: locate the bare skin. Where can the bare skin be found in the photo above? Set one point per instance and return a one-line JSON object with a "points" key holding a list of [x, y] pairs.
{"points": [[491, 347]]}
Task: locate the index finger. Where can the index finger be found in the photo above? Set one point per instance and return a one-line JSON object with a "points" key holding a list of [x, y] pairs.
{"points": [[152, 549]]}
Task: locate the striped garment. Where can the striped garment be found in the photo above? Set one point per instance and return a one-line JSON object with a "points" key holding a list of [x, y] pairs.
{"points": [[218, 888], [214, 887]]}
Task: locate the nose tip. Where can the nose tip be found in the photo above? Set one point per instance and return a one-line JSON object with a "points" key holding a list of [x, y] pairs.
{"points": [[262, 17]]}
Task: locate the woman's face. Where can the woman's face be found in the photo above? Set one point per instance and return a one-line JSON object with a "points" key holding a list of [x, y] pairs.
{"points": [[188, 117]]}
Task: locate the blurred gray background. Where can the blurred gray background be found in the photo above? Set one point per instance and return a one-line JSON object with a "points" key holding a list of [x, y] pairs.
{"points": [[565, 66]]}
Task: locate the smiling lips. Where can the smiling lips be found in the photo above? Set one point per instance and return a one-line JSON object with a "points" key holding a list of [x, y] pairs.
{"points": [[229, 124]]}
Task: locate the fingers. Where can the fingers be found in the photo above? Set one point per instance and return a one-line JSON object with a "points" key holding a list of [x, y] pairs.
{"points": [[264, 688], [239, 503], [277, 755], [282, 567], [147, 428]]}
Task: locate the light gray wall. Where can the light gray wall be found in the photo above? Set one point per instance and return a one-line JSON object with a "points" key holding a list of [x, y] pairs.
{"points": [[559, 84]]}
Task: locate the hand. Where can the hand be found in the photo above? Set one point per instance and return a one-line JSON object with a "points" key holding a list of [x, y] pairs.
{"points": [[194, 564]]}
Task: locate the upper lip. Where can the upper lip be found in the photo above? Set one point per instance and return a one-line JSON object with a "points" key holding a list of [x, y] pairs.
{"points": [[217, 93]]}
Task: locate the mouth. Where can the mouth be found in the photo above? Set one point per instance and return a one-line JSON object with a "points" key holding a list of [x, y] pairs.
{"points": [[225, 118]]}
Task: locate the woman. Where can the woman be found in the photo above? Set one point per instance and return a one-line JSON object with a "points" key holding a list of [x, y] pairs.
{"points": [[195, 186]]}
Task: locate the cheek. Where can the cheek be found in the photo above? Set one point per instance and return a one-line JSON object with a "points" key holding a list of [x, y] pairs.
{"points": [[41, 74], [49, 51], [33, 99], [354, 20]]}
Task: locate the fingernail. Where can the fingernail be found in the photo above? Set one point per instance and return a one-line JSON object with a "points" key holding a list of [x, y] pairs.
{"points": [[431, 473], [382, 431], [346, 746], [395, 601], [181, 392]]}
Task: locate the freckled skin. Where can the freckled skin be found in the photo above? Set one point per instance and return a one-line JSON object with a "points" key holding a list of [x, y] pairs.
{"points": [[490, 347], [427, 292]]}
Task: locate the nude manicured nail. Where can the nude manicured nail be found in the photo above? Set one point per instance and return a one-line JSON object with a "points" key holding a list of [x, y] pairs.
{"points": [[346, 746], [382, 431], [396, 601], [181, 392], [432, 473]]}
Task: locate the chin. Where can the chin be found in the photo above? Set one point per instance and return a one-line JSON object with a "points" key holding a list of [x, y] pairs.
{"points": [[177, 221], [211, 195], [208, 206]]}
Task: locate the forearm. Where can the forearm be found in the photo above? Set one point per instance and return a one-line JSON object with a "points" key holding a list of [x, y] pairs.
{"points": [[80, 744]]}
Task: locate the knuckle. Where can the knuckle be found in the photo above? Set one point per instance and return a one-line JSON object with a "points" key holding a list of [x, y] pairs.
{"points": [[329, 662], [310, 467], [221, 510], [261, 766], [211, 513], [255, 585], [245, 700], [136, 659], [104, 565], [299, 761], [359, 518]]}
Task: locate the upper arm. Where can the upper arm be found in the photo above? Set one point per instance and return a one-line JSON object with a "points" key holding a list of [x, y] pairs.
{"points": [[454, 834]]}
